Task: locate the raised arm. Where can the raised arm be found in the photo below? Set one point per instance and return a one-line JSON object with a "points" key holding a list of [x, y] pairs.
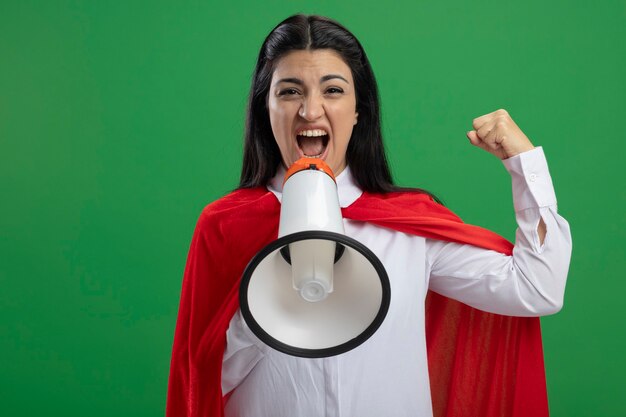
{"points": [[531, 282], [498, 134]]}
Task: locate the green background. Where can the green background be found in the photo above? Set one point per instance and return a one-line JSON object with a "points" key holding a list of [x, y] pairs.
{"points": [[120, 121]]}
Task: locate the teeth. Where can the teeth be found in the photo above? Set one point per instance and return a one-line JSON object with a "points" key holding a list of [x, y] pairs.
{"points": [[314, 132]]}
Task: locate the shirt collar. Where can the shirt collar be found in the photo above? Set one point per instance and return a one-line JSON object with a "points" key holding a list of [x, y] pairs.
{"points": [[347, 188]]}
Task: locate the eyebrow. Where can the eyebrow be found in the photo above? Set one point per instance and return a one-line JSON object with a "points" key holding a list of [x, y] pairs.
{"points": [[332, 76], [322, 80]]}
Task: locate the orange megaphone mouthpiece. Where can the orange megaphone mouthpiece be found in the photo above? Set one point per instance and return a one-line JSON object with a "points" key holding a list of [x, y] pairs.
{"points": [[309, 163]]}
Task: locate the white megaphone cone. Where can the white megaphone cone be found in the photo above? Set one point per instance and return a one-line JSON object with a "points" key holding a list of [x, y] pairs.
{"points": [[313, 292]]}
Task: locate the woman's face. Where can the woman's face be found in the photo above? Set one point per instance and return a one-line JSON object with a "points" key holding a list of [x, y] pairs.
{"points": [[312, 107]]}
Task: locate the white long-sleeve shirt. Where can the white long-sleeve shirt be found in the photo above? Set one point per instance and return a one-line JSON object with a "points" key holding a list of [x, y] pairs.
{"points": [[388, 374]]}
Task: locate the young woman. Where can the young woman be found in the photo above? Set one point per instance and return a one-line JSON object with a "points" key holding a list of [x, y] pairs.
{"points": [[314, 94]]}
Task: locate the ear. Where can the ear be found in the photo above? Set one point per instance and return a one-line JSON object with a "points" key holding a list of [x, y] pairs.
{"points": [[356, 117]]}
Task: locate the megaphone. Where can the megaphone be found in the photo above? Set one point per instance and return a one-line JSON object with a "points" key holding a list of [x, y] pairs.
{"points": [[314, 292]]}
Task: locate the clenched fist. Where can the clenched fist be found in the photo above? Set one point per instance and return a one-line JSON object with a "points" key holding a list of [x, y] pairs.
{"points": [[498, 134]]}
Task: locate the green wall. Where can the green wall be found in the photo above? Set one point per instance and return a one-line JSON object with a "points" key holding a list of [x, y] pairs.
{"points": [[121, 120]]}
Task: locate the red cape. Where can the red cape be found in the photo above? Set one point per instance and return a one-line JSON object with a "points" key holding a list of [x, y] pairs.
{"points": [[480, 364]]}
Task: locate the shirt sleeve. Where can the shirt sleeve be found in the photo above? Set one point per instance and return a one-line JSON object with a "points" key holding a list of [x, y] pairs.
{"points": [[531, 282], [243, 351]]}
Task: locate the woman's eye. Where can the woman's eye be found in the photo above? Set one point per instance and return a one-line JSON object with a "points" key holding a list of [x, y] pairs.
{"points": [[288, 92], [334, 90]]}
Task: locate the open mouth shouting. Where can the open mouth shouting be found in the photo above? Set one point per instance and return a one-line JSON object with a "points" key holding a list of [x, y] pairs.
{"points": [[312, 143]]}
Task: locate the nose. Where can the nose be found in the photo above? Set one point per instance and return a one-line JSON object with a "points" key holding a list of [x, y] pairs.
{"points": [[312, 108]]}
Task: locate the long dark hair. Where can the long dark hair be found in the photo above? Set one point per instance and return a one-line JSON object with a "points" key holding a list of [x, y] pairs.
{"points": [[365, 154]]}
